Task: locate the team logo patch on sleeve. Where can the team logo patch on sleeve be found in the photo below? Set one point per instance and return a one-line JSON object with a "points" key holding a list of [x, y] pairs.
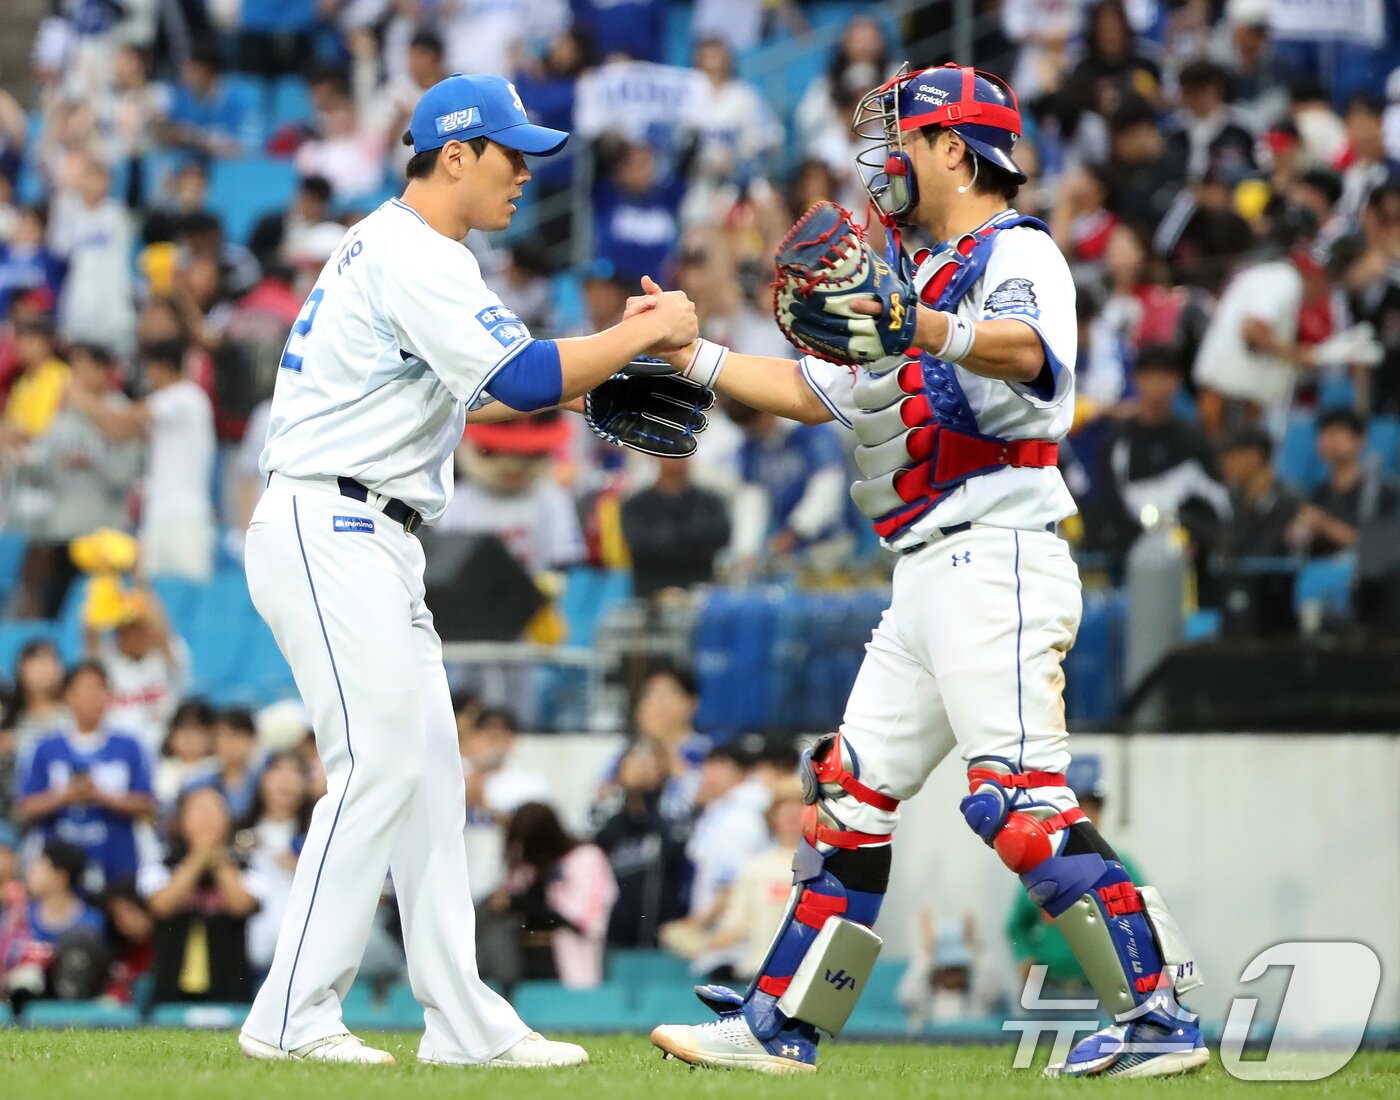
{"points": [[1013, 296], [503, 324], [358, 524]]}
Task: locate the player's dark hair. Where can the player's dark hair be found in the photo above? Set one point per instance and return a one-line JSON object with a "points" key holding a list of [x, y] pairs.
{"points": [[1369, 102], [168, 353], [1249, 439], [684, 678], [536, 839], [498, 716], [1342, 418], [316, 187], [991, 179], [421, 165], [94, 667], [1158, 357]]}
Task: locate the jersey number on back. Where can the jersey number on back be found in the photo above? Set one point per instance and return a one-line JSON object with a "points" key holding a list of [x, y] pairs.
{"points": [[292, 353]]}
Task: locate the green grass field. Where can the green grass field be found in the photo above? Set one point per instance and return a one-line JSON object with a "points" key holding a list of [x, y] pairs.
{"points": [[99, 1065]]}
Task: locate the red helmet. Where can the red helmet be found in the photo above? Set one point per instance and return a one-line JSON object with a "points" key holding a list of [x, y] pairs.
{"points": [[979, 107]]}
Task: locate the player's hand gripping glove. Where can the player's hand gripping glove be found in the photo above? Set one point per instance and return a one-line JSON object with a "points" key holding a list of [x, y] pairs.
{"points": [[650, 408], [825, 266]]}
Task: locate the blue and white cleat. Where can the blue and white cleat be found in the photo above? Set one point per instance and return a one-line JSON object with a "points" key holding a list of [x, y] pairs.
{"points": [[1143, 1048], [730, 1043]]}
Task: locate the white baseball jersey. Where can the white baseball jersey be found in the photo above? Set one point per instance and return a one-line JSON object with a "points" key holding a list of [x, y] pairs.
{"points": [[397, 340], [1026, 278]]}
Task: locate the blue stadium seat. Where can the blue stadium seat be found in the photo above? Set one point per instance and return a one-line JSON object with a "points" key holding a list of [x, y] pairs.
{"points": [[672, 1004], [397, 1012], [241, 191], [80, 1014], [551, 1006], [637, 969], [291, 103], [588, 595], [1335, 391], [1093, 668], [1296, 460], [1326, 582], [1203, 624], [205, 1017], [12, 551]]}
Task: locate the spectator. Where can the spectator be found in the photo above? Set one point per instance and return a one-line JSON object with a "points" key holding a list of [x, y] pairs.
{"points": [[84, 478], [509, 492], [176, 418], [760, 895], [861, 59], [236, 765], [496, 788], [186, 755], [1353, 494], [9, 858], [795, 479], [729, 829], [1261, 508], [385, 104], [1156, 466], [276, 36], [635, 213], [148, 664], [92, 234], [1201, 234], [280, 236], [1111, 65], [1373, 281], [632, 28], [51, 941], [1039, 32], [130, 117], [131, 938], [201, 897], [35, 705], [646, 850], [1146, 177], [1211, 137], [674, 529], [36, 395], [348, 152], [272, 834], [942, 979], [560, 893], [88, 784], [26, 262], [1258, 77], [1365, 164], [735, 126], [206, 114]]}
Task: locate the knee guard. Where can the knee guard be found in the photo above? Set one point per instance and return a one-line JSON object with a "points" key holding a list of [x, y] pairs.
{"points": [[1123, 936], [823, 952]]}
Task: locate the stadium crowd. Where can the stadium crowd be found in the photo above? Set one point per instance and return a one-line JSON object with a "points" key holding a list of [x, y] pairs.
{"points": [[1226, 188]]}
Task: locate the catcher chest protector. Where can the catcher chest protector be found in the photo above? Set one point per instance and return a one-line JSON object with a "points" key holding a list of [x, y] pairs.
{"points": [[918, 436]]}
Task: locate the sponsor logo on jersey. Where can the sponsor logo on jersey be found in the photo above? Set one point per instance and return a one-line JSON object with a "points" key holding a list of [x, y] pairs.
{"points": [[502, 323], [1013, 296], [357, 524], [457, 120]]}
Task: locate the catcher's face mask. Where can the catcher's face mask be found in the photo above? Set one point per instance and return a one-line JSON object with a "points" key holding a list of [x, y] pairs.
{"points": [[885, 168]]}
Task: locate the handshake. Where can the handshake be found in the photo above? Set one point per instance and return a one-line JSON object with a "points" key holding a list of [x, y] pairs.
{"points": [[673, 315]]}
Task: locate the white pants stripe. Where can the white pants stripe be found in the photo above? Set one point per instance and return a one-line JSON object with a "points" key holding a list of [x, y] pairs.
{"points": [[345, 603]]}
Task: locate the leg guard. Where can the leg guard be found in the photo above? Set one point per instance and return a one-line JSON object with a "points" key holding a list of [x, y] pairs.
{"points": [[1124, 938], [824, 951]]}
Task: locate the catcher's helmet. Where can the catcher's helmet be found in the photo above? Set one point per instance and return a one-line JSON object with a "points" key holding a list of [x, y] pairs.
{"points": [[979, 107]]}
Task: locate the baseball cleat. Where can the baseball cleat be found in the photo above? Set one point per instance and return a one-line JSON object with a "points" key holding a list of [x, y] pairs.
{"points": [[345, 1049], [536, 1052], [730, 1043], [1143, 1049]]}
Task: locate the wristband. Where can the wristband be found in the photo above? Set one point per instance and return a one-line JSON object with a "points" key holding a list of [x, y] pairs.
{"points": [[957, 345], [706, 363]]}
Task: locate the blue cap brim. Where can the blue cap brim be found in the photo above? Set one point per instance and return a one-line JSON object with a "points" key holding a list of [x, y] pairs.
{"points": [[538, 141]]}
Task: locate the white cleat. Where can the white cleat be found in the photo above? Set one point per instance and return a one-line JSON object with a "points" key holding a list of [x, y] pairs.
{"points": [[729, 1043], [536, 1052], [532, 1052], [344, 1049]]}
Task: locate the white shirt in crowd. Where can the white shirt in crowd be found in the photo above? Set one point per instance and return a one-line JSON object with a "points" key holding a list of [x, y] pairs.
{"points": [[1271, 292], [145, 692], [181, 463], [96, 302], [538, 526], [727, 833]]}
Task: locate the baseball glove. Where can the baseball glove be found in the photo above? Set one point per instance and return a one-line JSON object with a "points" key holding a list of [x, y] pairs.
{"points": [[824, 266], [650, 408]]}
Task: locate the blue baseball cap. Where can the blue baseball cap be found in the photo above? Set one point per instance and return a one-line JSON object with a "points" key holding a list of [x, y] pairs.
{"points": [[463, 107]]}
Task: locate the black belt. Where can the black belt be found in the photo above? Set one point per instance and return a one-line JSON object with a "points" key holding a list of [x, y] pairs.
{"points": [[956, 529], [394, 508]]}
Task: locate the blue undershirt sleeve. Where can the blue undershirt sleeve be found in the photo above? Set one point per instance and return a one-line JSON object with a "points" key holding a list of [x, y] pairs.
{"points": [[532, 380]]}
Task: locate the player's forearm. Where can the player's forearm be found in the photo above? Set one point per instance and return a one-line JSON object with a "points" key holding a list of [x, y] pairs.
{"points": [[586, 361], [1006, 349], [766, 383], [40, 807]]}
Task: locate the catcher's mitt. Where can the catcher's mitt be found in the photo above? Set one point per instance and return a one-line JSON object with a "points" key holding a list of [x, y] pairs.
{"points": [[824, 266], [650, 408]]}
